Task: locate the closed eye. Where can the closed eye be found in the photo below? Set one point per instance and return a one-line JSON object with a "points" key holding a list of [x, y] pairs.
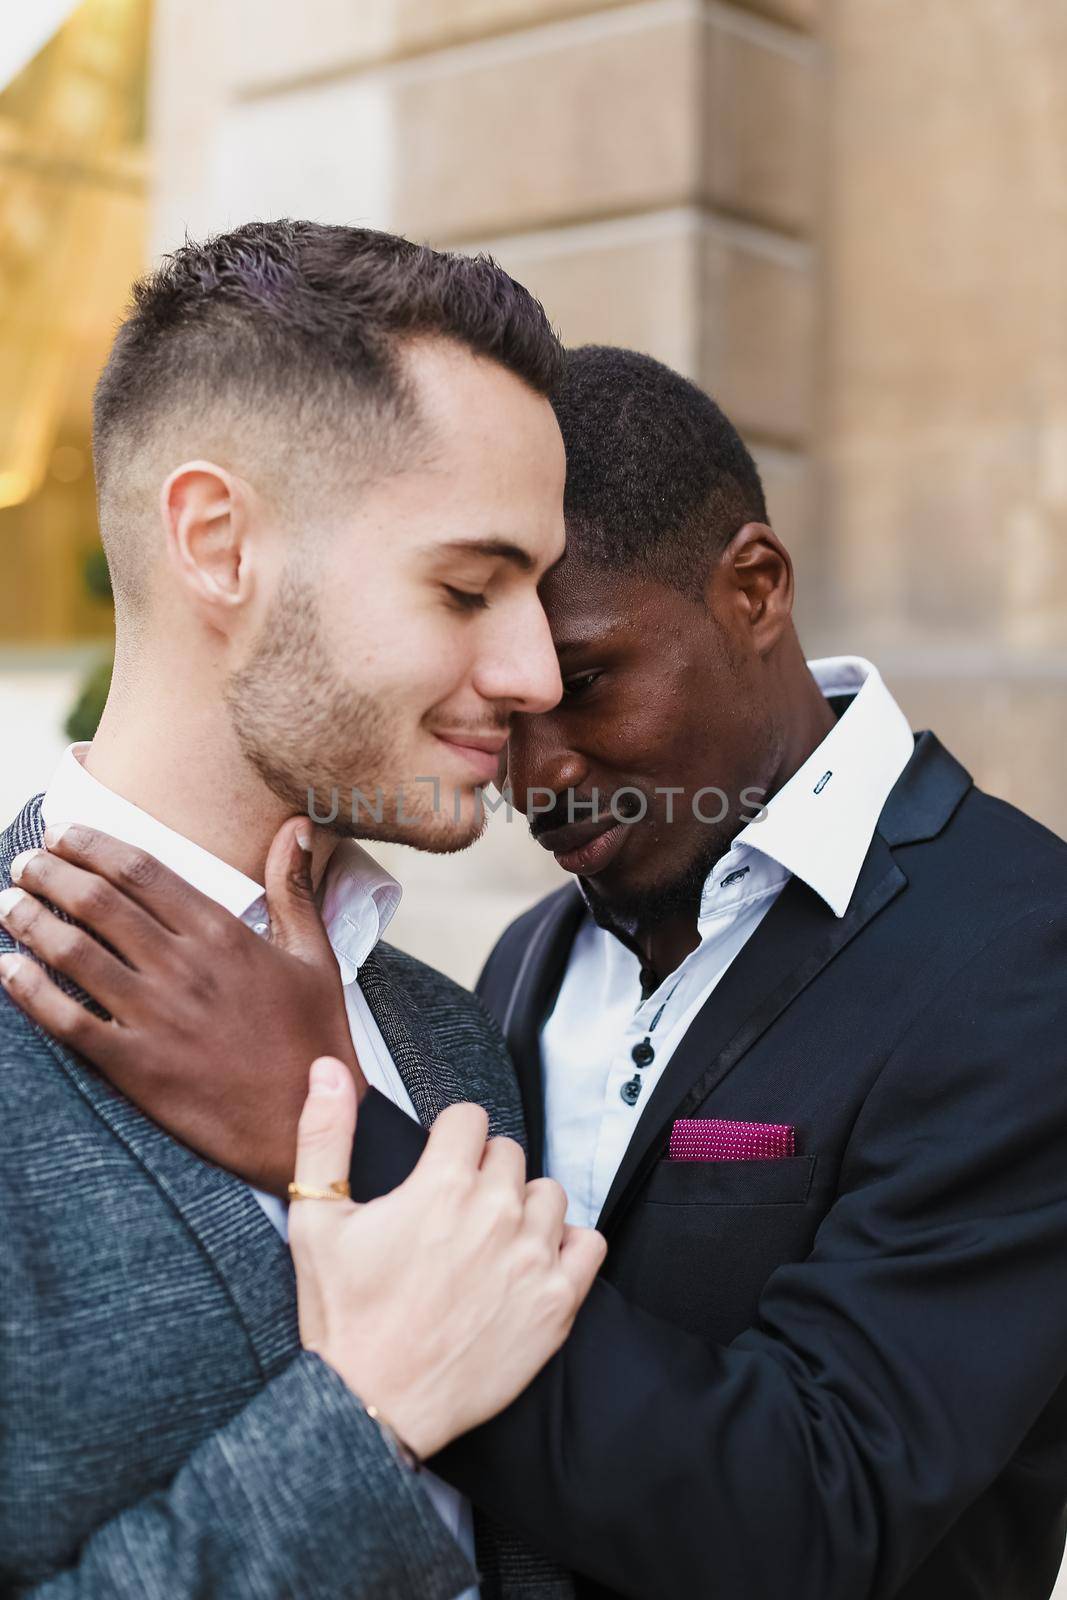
{"points": [[579, 683], [466, 599]]}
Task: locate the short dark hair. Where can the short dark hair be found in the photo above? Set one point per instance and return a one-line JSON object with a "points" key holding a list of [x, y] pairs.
{"points": [[658, 478], [305, 319]]}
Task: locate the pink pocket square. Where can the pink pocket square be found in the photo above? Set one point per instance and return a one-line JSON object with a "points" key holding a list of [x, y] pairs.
{"points": [[713, 1139]]}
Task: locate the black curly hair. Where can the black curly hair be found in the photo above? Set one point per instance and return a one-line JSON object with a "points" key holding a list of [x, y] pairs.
{"points": [[658, 478]]}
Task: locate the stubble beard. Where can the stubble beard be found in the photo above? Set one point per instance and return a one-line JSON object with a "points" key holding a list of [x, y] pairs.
{"points": [[636, 913], [306, 731]]}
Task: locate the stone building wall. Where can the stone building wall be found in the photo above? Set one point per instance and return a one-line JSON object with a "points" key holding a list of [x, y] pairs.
{"points": [[845, 218], [945, 376]]}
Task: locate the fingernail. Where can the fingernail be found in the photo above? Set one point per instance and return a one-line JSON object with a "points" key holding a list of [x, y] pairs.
{"points": [[327, 1076], [304, 841], [9, 899], [9, 965], [52, 836], [19, 863]]}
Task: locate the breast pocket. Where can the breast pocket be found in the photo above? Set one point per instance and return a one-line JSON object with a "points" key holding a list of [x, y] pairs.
{"points": [[783, 1181], [704, 1236]]}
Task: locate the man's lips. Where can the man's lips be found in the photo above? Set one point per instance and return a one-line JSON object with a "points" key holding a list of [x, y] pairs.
{"points": [[585, 848], [481, 750]]}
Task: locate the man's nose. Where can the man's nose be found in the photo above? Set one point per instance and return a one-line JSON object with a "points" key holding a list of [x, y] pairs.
{"points": [[541, 764], [520, 670]]}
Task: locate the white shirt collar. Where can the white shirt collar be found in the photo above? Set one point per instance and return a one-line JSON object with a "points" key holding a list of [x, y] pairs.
{"points": [[359, 897], [359, 900], [820, 824]]}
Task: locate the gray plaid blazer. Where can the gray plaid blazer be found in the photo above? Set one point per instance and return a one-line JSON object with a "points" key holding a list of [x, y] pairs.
{"points": [[162, 1433]]}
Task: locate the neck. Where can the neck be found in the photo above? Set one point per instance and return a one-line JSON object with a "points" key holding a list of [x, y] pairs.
{"points": [[166, 745], [806, 719]]}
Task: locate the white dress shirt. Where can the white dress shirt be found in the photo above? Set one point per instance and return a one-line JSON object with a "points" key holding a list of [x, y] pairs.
{"points": [[818, 827], [358, 901]]}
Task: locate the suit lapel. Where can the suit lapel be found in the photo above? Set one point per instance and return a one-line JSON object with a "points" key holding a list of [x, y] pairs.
{"points": [[431, 1083], [533, 994], [796, 940], [219, 1209], [436, 1074]]}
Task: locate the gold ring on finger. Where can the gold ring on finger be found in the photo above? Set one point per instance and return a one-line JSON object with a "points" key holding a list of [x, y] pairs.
{"points": [[336, 1191]]}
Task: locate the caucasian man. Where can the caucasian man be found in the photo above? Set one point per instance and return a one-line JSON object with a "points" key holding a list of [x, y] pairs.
{"points": [[319, 451]]}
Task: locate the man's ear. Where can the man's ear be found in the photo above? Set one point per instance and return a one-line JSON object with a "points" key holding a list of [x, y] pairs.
{"points": [[206, 522], [758, 575]]}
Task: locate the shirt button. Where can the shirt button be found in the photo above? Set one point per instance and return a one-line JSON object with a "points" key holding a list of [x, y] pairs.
{"points": [[630, 1092], [642, 1053], [262, 928]]}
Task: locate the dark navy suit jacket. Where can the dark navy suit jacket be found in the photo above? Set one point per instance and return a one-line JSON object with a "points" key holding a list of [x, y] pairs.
{"points": [[839, 1375]]}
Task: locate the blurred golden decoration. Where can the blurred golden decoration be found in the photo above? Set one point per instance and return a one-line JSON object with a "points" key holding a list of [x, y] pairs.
{"points": [[72, 224]]}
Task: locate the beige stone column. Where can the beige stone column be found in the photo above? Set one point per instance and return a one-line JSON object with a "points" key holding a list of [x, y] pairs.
{"points": [[946, 365]]}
